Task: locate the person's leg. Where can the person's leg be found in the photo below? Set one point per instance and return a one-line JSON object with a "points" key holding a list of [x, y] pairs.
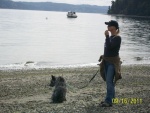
{"points": [[109, 74], [105, 70]]}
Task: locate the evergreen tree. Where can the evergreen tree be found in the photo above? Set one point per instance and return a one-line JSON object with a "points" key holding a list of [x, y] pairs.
{"points": [[130, 7]]}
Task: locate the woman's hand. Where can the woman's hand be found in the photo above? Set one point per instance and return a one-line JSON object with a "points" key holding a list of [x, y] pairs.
{"points": [[106, 33]]}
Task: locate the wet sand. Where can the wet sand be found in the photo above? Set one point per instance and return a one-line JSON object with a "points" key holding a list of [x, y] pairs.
{"points": [[27, 91]]}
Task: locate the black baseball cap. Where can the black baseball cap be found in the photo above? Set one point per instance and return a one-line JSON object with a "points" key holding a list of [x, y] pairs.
{"points": [[113, 23]]}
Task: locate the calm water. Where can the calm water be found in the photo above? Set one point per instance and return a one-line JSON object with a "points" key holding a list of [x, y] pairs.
{"points": [[60, 41]]}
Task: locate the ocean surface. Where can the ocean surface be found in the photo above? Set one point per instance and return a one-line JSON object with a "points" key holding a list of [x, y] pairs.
{"points": [[45, 39]]}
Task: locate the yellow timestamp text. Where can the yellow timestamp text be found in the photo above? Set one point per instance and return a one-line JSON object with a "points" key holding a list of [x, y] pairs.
{"points": [[127, 100]]}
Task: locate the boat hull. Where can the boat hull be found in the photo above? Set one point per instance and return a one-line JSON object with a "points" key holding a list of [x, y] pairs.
{"points": [[71, 16]]}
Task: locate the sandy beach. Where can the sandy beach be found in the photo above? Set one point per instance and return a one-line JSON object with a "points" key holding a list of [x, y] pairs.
{"points": [[27, 91]]}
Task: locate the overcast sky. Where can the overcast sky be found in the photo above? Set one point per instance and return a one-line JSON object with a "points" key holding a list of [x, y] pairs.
{"points": [[90, 2]]}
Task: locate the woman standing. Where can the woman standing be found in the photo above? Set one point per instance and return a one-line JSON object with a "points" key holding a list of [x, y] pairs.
{"points": [[111, 65]]}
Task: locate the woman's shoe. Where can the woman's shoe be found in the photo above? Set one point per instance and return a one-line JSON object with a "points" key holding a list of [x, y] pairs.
{"points": [[105, 104], [102, 102]]}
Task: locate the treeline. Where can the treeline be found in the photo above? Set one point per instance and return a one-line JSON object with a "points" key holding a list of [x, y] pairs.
{"points": [[130, 7], [49, 6]]}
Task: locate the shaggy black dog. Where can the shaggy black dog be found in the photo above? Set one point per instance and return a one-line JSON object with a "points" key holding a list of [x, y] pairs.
{"points": [[59, 93]]}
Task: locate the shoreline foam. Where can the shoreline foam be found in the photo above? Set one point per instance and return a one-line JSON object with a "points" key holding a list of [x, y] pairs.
{"points": [[37, 66]]}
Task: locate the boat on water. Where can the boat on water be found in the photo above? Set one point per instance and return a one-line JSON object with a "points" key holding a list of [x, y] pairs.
{"points": [[71, 14]]}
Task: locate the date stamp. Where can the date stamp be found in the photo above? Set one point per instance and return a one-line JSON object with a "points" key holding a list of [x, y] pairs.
{"points": [[127, 100]]}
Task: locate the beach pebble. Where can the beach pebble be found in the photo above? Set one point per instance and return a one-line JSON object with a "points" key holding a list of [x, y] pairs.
{"points": [[78, 110], [83, 106]]}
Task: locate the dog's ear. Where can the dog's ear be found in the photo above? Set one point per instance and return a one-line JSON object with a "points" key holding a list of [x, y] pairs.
{"points": [[53, 77]]}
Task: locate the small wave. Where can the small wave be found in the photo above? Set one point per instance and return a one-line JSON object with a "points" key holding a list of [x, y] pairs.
{"points": [[37, 65], [30, 65], [18, 66]]}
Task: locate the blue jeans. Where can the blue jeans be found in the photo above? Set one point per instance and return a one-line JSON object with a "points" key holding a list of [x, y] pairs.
{"points": [[109, 74]]}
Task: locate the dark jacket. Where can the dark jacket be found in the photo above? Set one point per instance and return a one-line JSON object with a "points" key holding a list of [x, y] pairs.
{"points": [[112, 46]]}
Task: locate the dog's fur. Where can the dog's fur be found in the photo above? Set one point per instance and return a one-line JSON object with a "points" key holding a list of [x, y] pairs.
{"points": [[59, 93]]}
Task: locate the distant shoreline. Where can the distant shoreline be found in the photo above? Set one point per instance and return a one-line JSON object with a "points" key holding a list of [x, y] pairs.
{"points": [[122, 15], [51, 11], [50, 6]]}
